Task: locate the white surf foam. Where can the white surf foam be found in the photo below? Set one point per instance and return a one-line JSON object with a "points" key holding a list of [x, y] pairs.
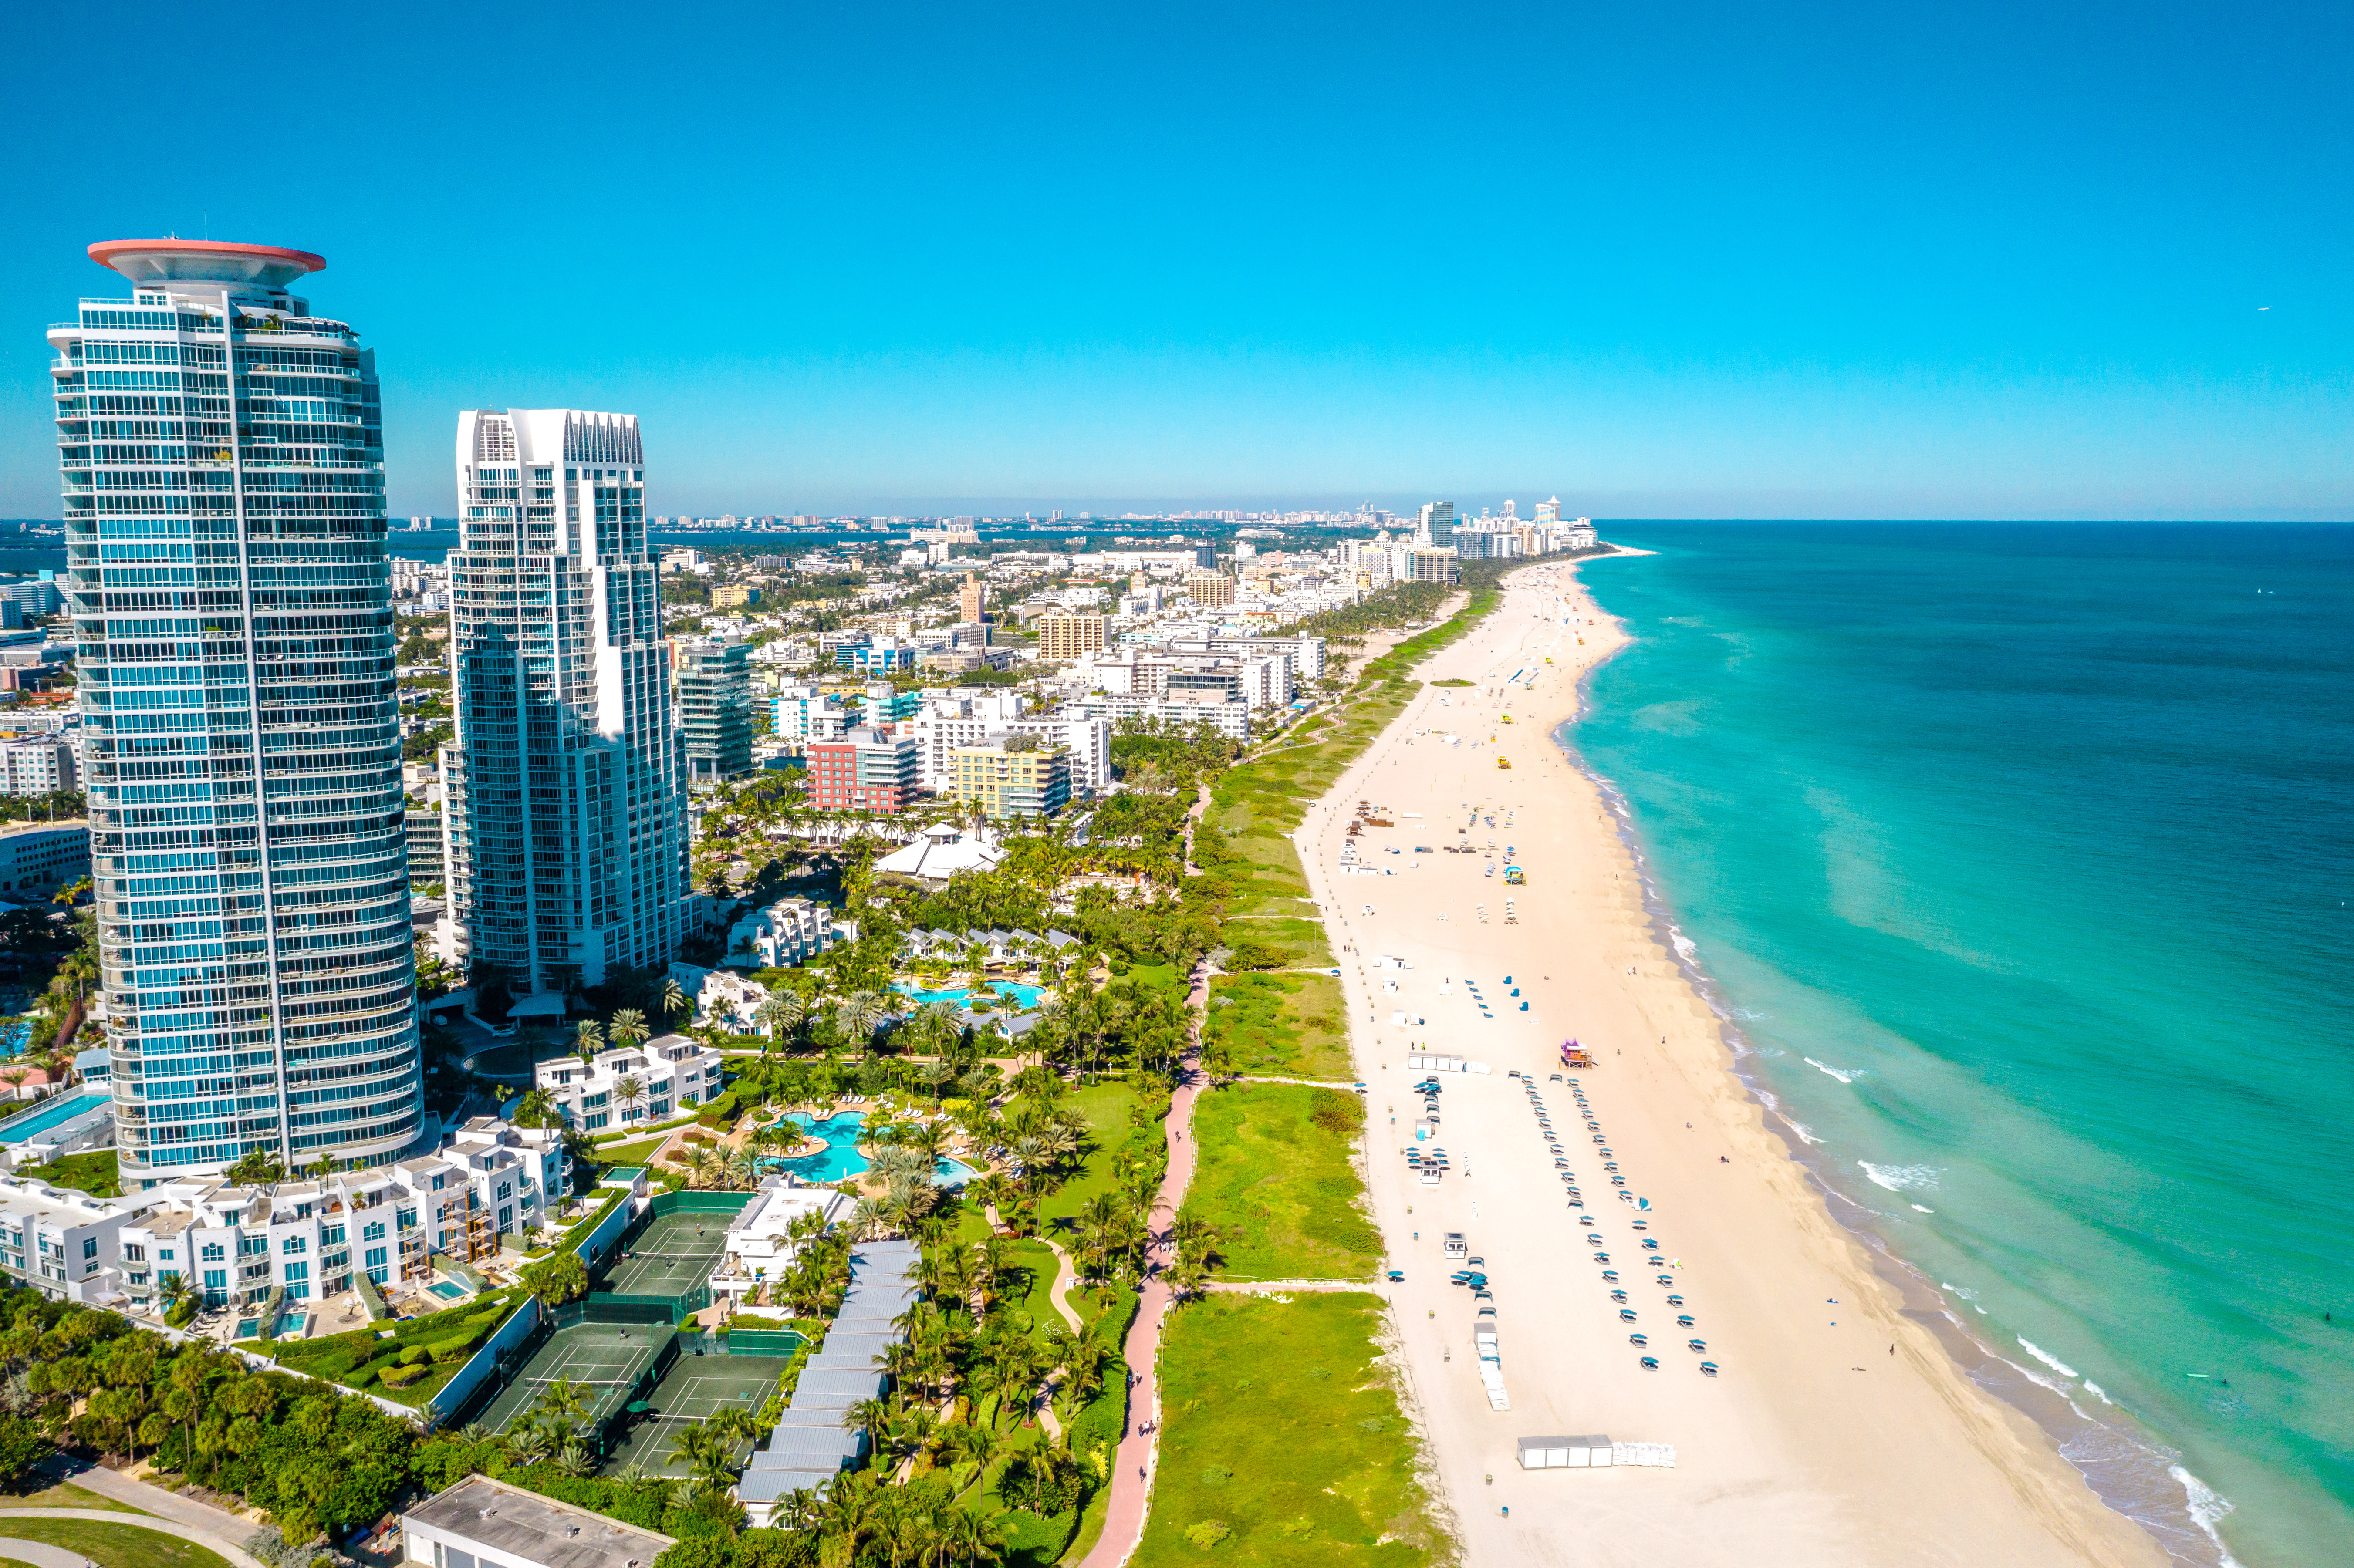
{"points": [[1806, 1134], [2207, 1507], [2047, 1358], [1844, 1075], [1901, 1178], [2097, 1391], [1925, 1208]]}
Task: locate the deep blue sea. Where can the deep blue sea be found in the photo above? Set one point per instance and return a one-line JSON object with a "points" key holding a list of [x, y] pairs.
{"points": [[2019, 858]]}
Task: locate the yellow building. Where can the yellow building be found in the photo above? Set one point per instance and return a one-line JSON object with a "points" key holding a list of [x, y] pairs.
{"points": [[735, 596], [970, 597], [1211, 590], [1064, 635], [1013, 779]]}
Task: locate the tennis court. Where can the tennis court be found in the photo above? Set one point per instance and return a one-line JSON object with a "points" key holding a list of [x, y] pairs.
{"points": [[673, 1255], [610, 1360], [696, 1388]]}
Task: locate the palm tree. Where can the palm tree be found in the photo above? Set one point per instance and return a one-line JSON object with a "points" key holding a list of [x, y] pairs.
{"points": [[573, 1459], [588, 1039], [630, 1093], [710, 1453], [538, 1107], [858, 1015], [870, 1416], [674, 998], [628, 1028], [780, 1015]]}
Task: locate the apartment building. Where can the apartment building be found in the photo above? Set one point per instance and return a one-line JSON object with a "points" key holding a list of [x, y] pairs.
{"points": [[1064, 636], [566, 786], [1014, 779], [308, 1238], [867, 770], [785, 934], [714, 708], [425, 847], [626, 1085], [1210, 589], [272, 461], [40, 766]]}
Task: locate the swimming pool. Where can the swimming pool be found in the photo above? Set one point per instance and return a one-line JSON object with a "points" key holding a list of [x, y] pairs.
{"points": [[447, 1291], [840, 1158], [1025, 997], [56, 1112]]}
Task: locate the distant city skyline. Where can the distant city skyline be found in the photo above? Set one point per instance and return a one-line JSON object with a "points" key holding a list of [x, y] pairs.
{"points": [[2025, 262]]}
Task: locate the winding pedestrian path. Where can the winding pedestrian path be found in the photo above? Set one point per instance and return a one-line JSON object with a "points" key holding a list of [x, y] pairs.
{"points": [[1132, 1475]]}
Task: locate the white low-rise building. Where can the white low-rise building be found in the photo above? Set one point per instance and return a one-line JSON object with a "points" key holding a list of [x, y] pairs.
{"points": [[782, 936], [624, 1085], [942, 851], [308, 1238], [759, 1245]]}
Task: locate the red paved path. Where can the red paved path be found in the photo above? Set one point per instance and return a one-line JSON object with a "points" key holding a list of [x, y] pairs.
{"points": [[1131, 1485]]}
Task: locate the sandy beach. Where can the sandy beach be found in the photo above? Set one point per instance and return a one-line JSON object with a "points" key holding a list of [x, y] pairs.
{"points": [[1839, 1430]]}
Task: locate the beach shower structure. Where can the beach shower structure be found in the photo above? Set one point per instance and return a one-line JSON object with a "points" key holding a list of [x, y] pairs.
{"points": [[222, 459]]}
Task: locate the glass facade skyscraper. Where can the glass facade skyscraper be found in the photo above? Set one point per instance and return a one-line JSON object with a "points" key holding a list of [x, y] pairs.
{"points": [[223, 466], [566, 836]]}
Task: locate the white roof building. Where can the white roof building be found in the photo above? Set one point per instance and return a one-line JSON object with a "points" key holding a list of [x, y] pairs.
{"points": [[943, 851], [756, 1244]]}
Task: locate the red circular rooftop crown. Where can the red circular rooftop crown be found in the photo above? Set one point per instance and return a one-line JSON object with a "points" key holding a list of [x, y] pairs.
{"points": [[152, 261]]}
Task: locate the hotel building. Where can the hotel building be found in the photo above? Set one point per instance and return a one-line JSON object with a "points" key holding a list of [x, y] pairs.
{"points": [[565, 814], [223, 466]]}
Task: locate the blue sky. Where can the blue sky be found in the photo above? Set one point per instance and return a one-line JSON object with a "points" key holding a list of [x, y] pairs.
{"points": [[1697, 261]]}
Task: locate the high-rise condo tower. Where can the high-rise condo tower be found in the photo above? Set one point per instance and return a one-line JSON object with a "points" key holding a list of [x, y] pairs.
{"points": [[223, 465], [566, 840]]}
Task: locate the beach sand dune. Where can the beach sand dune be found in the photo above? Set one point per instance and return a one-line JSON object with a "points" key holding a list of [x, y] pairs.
{"points": [[1817, 1444]]}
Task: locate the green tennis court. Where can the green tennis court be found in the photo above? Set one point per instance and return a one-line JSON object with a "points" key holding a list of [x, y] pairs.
{"points": [[696, 1388], [609, 1358], [672, 1255]]}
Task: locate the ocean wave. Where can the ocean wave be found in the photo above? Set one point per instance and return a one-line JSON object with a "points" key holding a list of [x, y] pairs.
{"points": [[2097, 1391], [1806, 1134], [1844, 1075], [2207, 1507], [2047, 1358], [1925, 1208], [1901, 1178], [1684, 948]]}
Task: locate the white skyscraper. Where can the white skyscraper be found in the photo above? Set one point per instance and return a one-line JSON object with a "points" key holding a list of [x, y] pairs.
{"points": [[566, 846], [223, 465]]}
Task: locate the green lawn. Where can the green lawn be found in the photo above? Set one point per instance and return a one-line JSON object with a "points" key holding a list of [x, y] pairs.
{"points": [[65, 1494], [93, 1173], [642, 1153], [114, 1545], [1283, 1443], [1279, 1185], [1282, 1025], [1035, 1294], [1109, 1108]]}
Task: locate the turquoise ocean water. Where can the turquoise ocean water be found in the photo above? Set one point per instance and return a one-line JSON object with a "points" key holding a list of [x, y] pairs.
{"points": [[2018, 860]]}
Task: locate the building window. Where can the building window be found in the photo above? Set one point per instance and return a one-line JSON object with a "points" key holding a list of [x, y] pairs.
{"points": [[215, 1252], [295, 1246], [372, 1231], [89, 1248]]}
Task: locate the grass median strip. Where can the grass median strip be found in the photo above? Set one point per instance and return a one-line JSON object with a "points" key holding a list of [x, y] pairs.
{"points": [[1284, 1444]]}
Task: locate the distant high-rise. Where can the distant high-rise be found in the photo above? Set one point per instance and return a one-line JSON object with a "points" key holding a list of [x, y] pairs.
{"points": [[971, 597], [223, 463], [714, 709], [566, 817], [1437, 528]]}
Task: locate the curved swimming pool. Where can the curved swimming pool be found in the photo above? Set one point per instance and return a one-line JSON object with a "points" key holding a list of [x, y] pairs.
{"points": [[840, 1159]]}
